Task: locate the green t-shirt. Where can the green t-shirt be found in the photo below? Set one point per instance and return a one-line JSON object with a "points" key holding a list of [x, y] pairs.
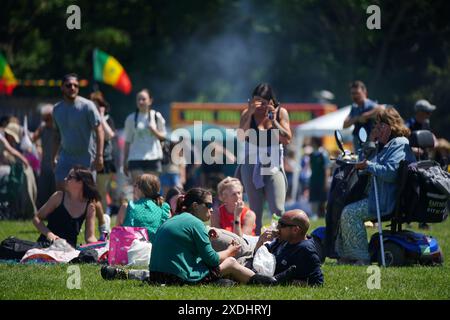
{"points": [[182, 247], [147, 214]]}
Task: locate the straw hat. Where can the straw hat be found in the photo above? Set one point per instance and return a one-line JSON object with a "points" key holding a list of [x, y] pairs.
{"points": [[13, 129]]}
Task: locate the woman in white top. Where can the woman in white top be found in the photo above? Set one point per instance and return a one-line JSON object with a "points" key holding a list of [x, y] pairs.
{"points": [[144, 131]]}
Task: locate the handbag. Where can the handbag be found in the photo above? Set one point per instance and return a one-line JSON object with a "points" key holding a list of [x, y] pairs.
{"points": [[120, 241]]}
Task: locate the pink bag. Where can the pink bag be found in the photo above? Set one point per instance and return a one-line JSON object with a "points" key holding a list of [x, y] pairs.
{"points": [[120, 241]]}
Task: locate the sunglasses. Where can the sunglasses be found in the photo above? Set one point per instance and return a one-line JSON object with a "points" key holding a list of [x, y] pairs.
{"points": [[70, 85], [282, 224], [209, 205], [71, 177]]}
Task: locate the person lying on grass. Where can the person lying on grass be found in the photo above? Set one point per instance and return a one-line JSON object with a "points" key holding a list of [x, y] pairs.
{"points": [[182, 251], [67, 210]]}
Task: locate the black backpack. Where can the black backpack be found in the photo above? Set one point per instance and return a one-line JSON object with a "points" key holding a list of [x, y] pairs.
{"points": [[422, 200], [166, 145], [14, 249]]}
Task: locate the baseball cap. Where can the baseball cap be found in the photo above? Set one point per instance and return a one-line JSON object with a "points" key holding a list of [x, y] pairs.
{"points": [[424, 105]]}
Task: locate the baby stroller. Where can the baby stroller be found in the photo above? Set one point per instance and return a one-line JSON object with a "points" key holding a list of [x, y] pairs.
{"points": [[418, 200]]}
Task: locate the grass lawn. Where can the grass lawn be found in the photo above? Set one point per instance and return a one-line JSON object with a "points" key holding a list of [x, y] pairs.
{"points": [[341, 282]]}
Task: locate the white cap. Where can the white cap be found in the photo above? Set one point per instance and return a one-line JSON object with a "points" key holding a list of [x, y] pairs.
{"points": [[424, 105]]}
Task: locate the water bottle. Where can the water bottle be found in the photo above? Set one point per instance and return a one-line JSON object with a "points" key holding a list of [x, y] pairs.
{"points": [[274, 223]]}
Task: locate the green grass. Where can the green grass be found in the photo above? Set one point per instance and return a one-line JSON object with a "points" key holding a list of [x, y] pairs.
{"points": [[341, 282]]}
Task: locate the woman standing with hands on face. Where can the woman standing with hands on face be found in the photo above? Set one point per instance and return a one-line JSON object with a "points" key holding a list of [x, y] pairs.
{"points": [[144, 131], [262, 121]]}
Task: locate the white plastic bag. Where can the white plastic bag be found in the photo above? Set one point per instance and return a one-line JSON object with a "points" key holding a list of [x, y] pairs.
{"points": [[25, 142], [139, 253], [264, 262]]}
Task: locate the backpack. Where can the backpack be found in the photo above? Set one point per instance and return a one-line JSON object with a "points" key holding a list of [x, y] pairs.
{"points": [[422, 200], [14, 249], [166, 145]]}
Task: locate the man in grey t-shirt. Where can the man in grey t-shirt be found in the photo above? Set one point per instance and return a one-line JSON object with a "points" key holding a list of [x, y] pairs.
{"points": [[75, 119]]}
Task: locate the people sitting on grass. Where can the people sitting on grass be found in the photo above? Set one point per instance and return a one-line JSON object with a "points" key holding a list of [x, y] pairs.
{"points": [[233, 215], [291, 247], [67, 210], [182, 251], [148, 209]]}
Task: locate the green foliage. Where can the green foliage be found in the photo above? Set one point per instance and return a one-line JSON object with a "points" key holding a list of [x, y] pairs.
{"points": [[219, 50]]}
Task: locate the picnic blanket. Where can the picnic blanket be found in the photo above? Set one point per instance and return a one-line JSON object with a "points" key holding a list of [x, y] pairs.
{"points": [[61, 252]]}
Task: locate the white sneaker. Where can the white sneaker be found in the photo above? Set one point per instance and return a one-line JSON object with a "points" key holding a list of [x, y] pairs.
{"points": [[107, 226]]}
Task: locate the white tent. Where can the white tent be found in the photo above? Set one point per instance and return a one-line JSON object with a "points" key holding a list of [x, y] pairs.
{"points": [[318, 127], [324, 125]]}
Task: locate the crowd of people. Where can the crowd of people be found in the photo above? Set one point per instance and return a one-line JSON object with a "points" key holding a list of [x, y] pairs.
{"points": [[76, 154]]}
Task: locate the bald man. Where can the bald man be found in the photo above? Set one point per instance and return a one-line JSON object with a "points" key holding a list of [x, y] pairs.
{"points": [[291, 246]]}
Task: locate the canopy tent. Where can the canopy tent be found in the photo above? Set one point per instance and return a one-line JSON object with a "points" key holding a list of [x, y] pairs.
{"points": [[321, 126], [201, 134], [325, 125]]}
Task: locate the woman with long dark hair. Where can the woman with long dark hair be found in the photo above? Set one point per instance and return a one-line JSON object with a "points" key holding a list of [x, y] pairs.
{"points": [[265, 128], [67, 210]]}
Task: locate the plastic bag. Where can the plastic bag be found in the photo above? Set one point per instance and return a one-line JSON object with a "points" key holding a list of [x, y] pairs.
{"points": [[25, 143], [264, 262], [139, 253]]}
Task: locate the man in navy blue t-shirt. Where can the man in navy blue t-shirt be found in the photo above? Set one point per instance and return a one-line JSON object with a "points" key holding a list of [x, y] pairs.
{"points": [[292, 247], [362, 113]]}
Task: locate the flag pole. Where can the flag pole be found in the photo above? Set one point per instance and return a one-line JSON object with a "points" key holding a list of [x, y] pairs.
{"points": [[95, 86]]}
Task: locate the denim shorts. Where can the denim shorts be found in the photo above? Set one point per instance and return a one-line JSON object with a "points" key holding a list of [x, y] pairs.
{"points": [[65, 163]]}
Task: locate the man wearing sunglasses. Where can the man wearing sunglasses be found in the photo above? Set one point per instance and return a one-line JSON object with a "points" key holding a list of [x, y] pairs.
{"points": [[75, 119], [291, 246]]}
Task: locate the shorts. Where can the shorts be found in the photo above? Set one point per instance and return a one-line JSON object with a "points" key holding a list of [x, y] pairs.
{"points": [[66, 163], [108, 167], [145, 165]]}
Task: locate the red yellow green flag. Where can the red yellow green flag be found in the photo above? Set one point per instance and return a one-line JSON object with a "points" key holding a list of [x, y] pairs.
{"points": [[108, 70], [7, 80]]}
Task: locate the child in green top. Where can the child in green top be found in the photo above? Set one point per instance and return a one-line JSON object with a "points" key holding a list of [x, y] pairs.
{"points": [[148, 209]]}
